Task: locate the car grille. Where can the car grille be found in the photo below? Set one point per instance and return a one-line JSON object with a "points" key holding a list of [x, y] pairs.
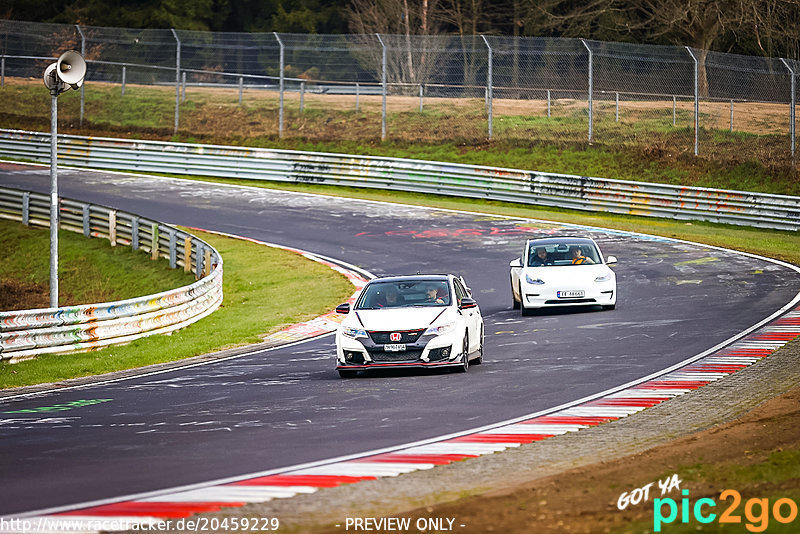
{"points": [[407, 336], [569, 301], [405, 356]]}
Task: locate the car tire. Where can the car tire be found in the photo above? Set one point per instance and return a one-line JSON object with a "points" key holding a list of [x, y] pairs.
{"points": [[465, 364], [514, 302], [479, 359], [347, 373], [522, 309]]}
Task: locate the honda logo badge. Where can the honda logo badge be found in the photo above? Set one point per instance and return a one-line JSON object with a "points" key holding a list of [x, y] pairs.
{"points": [[394, 336]]}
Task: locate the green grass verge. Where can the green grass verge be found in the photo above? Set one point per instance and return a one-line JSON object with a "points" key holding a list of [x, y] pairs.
{"points": [[264, 289], [90, 270]]}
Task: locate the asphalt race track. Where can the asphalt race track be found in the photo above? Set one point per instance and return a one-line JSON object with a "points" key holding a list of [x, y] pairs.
{"points": [[269, 410]]}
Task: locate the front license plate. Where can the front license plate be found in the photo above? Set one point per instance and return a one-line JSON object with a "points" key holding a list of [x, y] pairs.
{"points": [[400, 347], [570, 294]]}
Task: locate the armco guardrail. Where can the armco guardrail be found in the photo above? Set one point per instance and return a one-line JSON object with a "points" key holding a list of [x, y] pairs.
{"points": [[28, 333], [529, 187]]}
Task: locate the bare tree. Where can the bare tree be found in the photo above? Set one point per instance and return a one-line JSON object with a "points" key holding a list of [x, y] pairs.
{"points": [[416, 22], [701, 24]]}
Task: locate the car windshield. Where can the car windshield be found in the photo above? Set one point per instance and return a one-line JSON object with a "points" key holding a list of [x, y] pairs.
{"points": [[562, 253], [404, 293]]}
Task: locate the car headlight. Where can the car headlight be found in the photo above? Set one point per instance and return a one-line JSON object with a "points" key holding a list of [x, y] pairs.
{"points": [[439, 330], [536, 281], [604, 278], [353, 332]]}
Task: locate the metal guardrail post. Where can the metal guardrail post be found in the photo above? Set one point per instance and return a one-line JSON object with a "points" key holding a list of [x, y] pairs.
{"points": [[793, 110], [696, 102], [26, 208], [177, 79], [591, 83], [489, 84], [282, 75], [383, 87], [83, 85], [86, 221], [173, 250], [135, 233]]}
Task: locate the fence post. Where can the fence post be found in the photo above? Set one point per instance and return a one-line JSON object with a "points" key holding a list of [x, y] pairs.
{"points": [[421, 95], [26, 208], [83, 54], [173, 249], [134, 233], [674, 106], [241, 88], [616, 97], [112, 228], [548, 103], [280, 110], [3, 71], [696, 102], [357, 91], [731, 129], [198, 261], [187, 254], [87, 228], [383, 88], [183, 86], [154, 242], [123, 79], [792, 111], [591, 82], [489, 83], [177, 79], [302, 95]]}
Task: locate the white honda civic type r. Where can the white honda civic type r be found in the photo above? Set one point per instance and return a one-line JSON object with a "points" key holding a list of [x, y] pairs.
{"points": [[410, 321], [562, 271]]}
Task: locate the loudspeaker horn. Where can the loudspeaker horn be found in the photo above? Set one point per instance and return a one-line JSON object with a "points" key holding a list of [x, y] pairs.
{"points": [[49, 81], [71, 68]]}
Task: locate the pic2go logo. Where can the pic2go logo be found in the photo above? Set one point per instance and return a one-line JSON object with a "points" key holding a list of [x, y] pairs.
{"points": [[756, 511]]}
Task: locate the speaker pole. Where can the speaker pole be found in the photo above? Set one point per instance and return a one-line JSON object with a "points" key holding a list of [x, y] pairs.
{"points": [[54, 215], [68, 72]]}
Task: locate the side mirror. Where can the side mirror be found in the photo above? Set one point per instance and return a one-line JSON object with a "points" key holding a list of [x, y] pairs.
{"points": [[467, 303], [611, 260], [517, 263], [343, 308]]}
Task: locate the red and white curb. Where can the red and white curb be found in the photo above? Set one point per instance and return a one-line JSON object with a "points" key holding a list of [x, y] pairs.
{"points": [[154, 509]]}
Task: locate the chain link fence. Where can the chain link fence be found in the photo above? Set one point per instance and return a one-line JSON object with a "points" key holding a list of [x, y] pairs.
{"points": [[428, 88]]}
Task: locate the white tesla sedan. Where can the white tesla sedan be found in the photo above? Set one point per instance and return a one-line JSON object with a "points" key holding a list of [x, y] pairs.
{"points": [[410, 321], [562, 271]]}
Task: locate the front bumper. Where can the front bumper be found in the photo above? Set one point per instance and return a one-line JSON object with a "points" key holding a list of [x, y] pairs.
{"points": [[427, 351], [542, 296]]}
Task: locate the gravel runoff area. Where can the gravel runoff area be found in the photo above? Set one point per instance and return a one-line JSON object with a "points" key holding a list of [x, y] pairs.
{"points": [[423, 493]]}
